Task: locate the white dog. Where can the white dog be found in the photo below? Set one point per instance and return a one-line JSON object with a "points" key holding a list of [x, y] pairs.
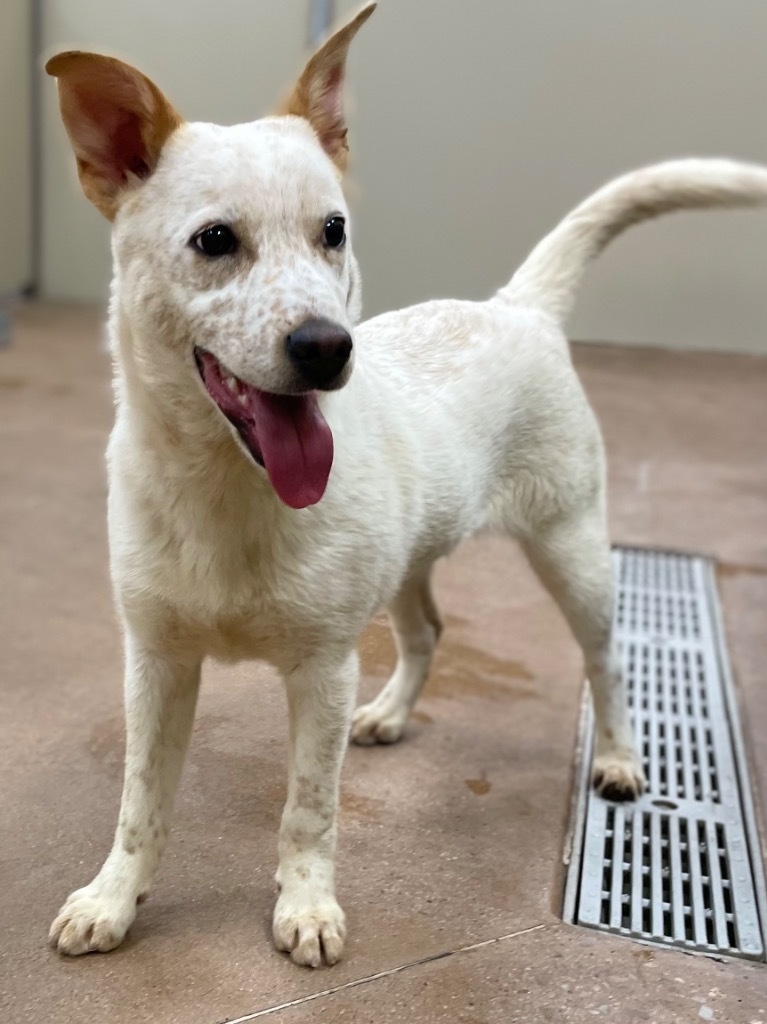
{"points": [[266, 499]]}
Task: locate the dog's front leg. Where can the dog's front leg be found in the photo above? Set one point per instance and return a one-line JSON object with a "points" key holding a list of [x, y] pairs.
{"points": [[160, 699], [308, 921]]}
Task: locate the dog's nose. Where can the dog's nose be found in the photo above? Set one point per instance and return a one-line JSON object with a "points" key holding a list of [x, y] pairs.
{"points": [[319, 350]]}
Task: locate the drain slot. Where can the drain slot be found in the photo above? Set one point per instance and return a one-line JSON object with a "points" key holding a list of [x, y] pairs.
{"points": [[681, 866]]}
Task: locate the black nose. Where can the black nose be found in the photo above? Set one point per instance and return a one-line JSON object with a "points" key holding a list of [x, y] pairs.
{"points": [[319, 350]]}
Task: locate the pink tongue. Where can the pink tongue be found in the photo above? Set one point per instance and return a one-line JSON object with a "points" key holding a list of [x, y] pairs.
{"points": [[296, 444]]}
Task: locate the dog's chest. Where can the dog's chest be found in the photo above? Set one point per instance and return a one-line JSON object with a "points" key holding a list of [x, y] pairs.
{"points": [[238, 605], [242, 584]]}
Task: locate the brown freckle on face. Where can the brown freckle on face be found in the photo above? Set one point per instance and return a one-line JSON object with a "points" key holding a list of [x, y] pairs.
{"points": [[609, 734], [303, 873], [129, 848], [155, 833]]}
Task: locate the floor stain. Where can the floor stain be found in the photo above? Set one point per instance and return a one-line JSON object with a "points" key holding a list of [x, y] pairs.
{"points": [[355, 807], [451, 620], [645, 955], [376, 649], [459, 669], [480, 787], [462, 670], [421, 716], [740, 569], [57, 389]]}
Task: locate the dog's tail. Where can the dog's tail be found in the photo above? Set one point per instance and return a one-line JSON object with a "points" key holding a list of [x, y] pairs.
{"points": [[550, 275]]}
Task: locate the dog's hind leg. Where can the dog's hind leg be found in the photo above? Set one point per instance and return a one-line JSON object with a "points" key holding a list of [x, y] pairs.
{"points": [[417, 627], [160, 699], [572, 559]]}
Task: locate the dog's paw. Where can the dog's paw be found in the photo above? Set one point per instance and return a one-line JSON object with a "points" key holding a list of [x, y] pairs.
{"points": [[309, 929], [618, 776], [377, 723], [91, 922]]}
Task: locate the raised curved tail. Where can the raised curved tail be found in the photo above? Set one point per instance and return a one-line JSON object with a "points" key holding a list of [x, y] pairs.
{"points": [[550, 275]]}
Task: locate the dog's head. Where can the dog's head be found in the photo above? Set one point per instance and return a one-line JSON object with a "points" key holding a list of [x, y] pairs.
{"points": [[233, 263]]}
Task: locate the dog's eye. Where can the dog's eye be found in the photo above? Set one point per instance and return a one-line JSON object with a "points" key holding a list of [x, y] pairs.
{"points": [[218, 240], [334, 234]]}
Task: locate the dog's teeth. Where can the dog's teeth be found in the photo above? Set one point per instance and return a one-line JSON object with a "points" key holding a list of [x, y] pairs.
{"points": [[231, 383], [243, 398]]}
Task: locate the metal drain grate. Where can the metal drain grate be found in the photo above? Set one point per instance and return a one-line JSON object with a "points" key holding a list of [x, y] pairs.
{"points": [[681, 866]]}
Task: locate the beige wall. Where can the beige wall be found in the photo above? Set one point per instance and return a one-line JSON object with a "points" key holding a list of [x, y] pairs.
{"points": [[476, 127], [15, 109]]}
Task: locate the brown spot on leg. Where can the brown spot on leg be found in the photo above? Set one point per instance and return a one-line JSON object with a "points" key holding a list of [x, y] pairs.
{"points": [[308, 794]]}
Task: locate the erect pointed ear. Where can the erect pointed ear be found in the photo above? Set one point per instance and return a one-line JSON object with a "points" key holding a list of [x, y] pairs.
{"points": [[318, 94], [116, 119]]}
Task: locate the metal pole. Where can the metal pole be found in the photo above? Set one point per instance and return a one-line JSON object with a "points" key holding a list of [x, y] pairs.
{"points": [[321, 16], [30, 288], [35, 148]]}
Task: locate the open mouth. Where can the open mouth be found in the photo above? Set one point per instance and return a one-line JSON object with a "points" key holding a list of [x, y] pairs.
{"points": [[286, 434]]}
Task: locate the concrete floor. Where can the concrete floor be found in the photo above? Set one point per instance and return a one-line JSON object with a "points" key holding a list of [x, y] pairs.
{"points": [[451, 840]]}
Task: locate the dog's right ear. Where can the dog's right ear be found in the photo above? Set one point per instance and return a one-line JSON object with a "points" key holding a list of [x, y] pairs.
{"points": [[116, 119]]}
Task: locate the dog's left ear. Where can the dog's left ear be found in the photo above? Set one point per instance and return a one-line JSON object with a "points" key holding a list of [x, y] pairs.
{"points": [[318, 94], [117, 120]]}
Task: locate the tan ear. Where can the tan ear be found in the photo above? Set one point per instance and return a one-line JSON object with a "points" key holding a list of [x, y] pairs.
{"points": [[116, 119], [318, 94]]}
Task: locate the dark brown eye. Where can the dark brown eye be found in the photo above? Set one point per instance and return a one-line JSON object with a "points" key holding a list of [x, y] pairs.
{"points": [[334, 232], [218, 240]]}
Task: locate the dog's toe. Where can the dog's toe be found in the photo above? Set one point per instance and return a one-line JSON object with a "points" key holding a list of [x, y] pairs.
{"points": [[310, 933], [375, 724], [90, 923], [618, 777]]}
